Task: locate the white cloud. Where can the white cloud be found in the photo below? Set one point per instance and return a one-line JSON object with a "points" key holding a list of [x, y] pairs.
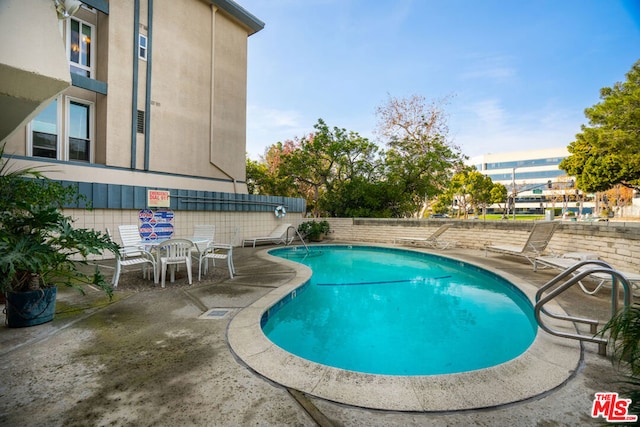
{"points": [[492, 67], [266, 126], [487, 113], [486, 127], [502, 111]]}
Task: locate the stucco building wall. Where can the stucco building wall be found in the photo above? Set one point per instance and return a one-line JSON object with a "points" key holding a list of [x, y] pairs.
{"points": [[191, 92]]}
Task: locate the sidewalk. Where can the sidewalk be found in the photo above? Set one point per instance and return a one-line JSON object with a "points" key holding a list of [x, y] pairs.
{"points": [[149, 358]]}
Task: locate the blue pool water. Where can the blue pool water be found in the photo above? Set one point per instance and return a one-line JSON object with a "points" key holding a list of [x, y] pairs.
{"points": [[397, 312]]}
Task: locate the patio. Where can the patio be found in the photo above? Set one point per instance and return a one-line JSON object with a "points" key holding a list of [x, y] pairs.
{"points": [[152, 358]]}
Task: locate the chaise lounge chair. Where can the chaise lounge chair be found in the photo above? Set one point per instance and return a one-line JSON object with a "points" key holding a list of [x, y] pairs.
{"points": [[277, 236], [432, 240], [571, 259], [536, 243]]}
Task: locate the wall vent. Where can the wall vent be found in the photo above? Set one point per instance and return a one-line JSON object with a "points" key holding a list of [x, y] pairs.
{"points": [[140, 124]]}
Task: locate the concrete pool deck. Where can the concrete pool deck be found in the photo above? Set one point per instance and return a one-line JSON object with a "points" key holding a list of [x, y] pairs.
{"points": [[152, 358]]}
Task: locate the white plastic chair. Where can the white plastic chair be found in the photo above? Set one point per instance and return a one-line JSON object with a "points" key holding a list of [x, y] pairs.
{"points": [[203, 235], [130, 236], [220, 251], [174, 252], [204, 232], [132, 254]]}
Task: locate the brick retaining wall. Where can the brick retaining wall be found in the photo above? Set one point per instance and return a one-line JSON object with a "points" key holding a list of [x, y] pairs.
{"points": [[615, 242]]}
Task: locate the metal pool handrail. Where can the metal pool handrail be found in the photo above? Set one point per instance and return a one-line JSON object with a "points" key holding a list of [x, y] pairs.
{"points": [[299, 235], [601, 267]]}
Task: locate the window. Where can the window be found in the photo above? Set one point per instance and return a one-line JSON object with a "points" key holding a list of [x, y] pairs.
{"points": [[79, 131], [44, 132], [142, 47], [49, 139], [80, 47], [551, 161]]}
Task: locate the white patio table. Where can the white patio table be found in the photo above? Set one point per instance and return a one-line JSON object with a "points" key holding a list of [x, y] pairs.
{"points": [[153, 246]]}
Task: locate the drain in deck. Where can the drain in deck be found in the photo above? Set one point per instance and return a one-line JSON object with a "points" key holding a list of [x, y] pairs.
{"points": [[215, 314]]}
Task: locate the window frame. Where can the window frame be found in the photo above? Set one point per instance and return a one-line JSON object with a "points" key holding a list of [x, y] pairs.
{"points": [[142, 51], [91, 124], [63, 116], [90, 70], [59, 135]]}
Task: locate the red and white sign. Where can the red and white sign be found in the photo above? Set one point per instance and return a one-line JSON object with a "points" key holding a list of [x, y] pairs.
{"points": [[612, 408], [158, 199]]}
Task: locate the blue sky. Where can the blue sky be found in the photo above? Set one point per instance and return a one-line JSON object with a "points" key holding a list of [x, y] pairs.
{"points": [[519, 73]]}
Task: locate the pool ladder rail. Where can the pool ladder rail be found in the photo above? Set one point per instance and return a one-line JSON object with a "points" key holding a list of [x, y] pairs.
{"points": [[563, 282], [289, 241]]}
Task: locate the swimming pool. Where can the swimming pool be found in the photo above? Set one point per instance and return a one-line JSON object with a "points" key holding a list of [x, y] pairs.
{"points": [[549, 363], [396, 312]]}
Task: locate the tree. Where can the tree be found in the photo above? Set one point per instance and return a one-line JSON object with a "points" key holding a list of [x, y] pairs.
{"points": [[328, 161], [420, 157], [359, 198], [607, 152], [499, 195], [341, 173], [472, 190], [616, 198], [480, 191], [256, 176], [267, 177], [458, 191], [443, 203]]}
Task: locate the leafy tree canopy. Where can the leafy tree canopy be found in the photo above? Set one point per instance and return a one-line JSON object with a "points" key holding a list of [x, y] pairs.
{"points": [[473, 190], [267, 177], [341, 173], [607, 151], [420, 158], [327, 161]]}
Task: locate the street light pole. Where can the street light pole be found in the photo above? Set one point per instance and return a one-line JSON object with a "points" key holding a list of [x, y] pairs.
{"points": [[514, 192]]}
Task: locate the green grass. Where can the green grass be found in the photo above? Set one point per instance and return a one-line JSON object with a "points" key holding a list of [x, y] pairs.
{"points": [[498, 217]]}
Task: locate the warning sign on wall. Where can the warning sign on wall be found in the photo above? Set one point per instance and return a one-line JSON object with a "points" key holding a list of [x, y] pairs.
{"points": [[158, 199]]}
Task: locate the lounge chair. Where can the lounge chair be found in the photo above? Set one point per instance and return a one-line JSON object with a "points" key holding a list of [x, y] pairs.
{"points": [[277, 236], [571, 259], [535, 245], [433, 240]]}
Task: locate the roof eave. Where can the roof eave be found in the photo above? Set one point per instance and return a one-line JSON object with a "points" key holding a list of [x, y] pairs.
{"points": [[240, 14]]}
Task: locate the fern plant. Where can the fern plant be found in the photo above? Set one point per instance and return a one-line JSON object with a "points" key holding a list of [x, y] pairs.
{"points": [[624, 334], [39, 247]]}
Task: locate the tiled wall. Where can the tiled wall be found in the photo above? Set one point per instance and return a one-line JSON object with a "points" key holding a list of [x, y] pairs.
{"points": [[249, 223], [615, 242]]}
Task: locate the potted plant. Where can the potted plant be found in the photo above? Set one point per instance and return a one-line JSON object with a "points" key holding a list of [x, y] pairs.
{"points": [[314, 230], [624, 334], [39, 247]]}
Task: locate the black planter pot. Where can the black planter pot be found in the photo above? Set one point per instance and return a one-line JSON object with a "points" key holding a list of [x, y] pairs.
{"points": [[31, 308]]}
